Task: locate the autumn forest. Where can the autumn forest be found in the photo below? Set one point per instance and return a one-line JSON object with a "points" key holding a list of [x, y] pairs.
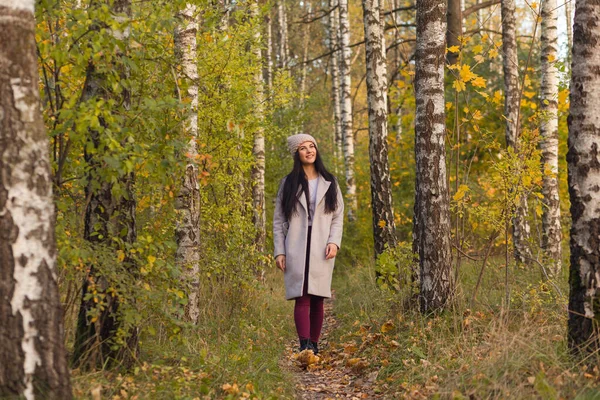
{"points": [[142, 150]]}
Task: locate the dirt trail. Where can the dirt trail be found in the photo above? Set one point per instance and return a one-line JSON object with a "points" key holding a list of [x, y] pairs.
{"points": [[334, 376]]}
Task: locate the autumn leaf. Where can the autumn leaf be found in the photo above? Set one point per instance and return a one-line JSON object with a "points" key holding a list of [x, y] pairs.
{"points": [[478, 82], [381, 223], [459, 85], [466, 74], [388, 326], [493, 53], [477, 49], [230, 389], [454, 49]]}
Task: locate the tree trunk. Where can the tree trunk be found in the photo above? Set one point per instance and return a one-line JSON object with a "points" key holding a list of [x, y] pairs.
{"points": [[384, 228], [551, 236], [269, 55], [106, 217], [283, 51], [432, 216], [187, 231], [510, 63], [335, 82], [32, 351], [454, 29], [569, 22], [346, 108], [584, 179], [258, 168]]}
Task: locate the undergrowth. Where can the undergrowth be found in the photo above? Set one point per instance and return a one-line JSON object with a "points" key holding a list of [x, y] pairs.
{"points": [[478, 351]]}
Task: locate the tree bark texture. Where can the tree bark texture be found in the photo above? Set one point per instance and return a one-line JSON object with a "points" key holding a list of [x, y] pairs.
{"points": [[258, 150], [454, 29], [384, 227], [283, 55], [268, 76], [569, 21], [432, 215], [551, 229], [335, 76], [510, 63], [106, 217], [33, 359], [346, 108], [187, 231], [584, 179]]}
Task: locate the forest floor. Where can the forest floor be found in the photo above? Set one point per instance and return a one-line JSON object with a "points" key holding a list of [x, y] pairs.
{"points": [[333, 373]]}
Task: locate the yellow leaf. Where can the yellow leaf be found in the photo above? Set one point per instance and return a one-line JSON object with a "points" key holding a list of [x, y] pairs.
{"points": [[151, 259], [459, 85], [529, 95], [477, 49], [460, 193], [478, 82], [493, 53], [465, 73], [527, 81], [230, 389], [477, 115], [388, 326], [551, 58], [497, 96], [381, 223], [449, 105], [479, 58], [120, 255], [454, 49]]}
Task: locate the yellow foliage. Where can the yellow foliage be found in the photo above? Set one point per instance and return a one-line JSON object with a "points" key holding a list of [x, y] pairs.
{"points": [[466, 74], [460, 193], [477, 49], [493, 53], [454, 49], [479, 82], [459, 85]]}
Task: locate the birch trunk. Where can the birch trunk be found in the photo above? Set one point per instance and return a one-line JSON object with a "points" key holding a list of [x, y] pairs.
{"points": [[584, 179], [568, 15], [551, 235], [510, 63], [346, 108], [187, 205], [432, 216], [258, 169], [284, 51], [34, 364], [384, 228], [269, 55], [106, 217], [335, 82]]}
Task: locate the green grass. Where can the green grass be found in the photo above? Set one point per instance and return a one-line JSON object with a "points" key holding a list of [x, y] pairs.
{"points": [[238, 341], [481, 351]]}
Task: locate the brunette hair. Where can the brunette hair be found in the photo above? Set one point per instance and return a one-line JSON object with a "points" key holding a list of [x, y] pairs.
{"points": [[297, 179]]}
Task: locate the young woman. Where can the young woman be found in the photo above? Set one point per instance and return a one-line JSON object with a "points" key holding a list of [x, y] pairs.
{"points": [[307, 232]]}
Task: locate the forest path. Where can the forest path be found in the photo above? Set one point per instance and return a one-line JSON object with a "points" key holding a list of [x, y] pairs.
{"points": [[334, 375]]}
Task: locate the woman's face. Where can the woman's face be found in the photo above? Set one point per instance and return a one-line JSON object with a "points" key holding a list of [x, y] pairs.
{"points": [[307, 152]]}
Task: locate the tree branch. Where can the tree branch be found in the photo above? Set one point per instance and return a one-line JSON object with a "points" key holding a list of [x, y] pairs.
{"points": [[476, 7], [407, 8]]}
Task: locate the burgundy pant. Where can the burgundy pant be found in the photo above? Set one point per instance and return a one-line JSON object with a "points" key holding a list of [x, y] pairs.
{"points": [[308, 310]]}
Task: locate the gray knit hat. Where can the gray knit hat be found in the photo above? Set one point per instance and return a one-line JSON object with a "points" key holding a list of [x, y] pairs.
{"points": [[295, 141]]}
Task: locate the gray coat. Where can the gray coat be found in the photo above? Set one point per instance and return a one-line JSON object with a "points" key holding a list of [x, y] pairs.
{"points": [[289, 239]]}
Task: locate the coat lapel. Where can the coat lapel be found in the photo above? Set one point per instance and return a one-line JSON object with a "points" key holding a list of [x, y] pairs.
{"points": [[322, 188], [303, 200]]}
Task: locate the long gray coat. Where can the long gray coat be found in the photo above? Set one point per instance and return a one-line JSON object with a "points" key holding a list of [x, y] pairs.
{"points": [[289, 238]]}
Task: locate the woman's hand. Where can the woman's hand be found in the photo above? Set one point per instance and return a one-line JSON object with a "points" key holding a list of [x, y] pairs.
{"points": [[331, 251], [280, 262]]}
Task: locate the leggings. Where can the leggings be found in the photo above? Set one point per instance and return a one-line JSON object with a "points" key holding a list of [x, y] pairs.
{"points": [[308, 310]]}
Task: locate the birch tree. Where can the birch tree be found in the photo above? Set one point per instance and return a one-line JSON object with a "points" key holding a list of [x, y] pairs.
{"points": [[510, 63], [584, 179], [346, 108], [432, 215], [108, 216], [187, 231], [283, 47], [551, 235], [335, 73], [454, 29], [384, 228], [32, 351], [258, 150]]}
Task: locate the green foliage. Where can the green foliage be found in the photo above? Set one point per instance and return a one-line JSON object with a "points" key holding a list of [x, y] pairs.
{"points": [[395, 268]]}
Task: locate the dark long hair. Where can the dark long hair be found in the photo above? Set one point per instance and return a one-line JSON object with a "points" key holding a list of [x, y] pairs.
{"points": [[297, 179]]}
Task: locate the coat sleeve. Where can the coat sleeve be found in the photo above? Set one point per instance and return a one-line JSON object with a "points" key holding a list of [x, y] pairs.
{"points": [[278, 224], [337, 222]]}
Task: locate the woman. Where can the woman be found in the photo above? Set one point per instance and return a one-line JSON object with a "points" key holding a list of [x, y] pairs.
{"points": [[307, 232]]}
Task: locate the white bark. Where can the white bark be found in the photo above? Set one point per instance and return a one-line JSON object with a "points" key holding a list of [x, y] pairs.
{"points": [[335, 79], [284, 51], [187, 230], [31, 334], [258, 150], [584, 179], [346, 108], [552, 237], [510, 64], [432, 215], [384, 227]]}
